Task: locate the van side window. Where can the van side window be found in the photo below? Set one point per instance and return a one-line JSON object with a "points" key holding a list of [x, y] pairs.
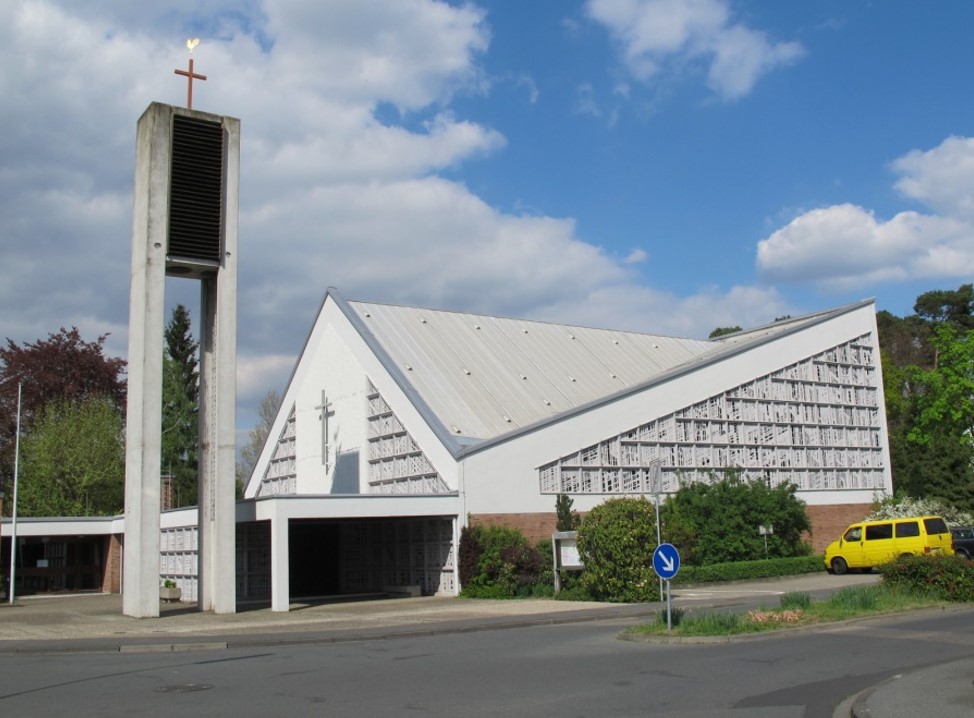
{"points": [[907, 529], [935, 526], [853, 534], [879, 531]]}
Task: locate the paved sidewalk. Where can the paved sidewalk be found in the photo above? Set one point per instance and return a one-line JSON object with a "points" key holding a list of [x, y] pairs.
{"points": [[95, 621], [48, 622]]}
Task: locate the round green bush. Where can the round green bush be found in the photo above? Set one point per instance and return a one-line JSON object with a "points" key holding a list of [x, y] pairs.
{"points": [[616, 541]]}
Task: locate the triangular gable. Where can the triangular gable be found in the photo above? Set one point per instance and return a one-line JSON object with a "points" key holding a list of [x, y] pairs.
{"points": [[283, 466]]}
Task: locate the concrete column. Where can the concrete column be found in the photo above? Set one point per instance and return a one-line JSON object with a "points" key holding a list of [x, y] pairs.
{"points": [[280, 566], [218, 372], [143, 430]]}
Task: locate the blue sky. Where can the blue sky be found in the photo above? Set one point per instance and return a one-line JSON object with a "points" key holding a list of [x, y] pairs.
{"points": [[666, 166]]}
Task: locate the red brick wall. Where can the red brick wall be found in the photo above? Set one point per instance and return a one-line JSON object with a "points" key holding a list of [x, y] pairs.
{"points": [[112, 576], [534, 526], [828, 522]]}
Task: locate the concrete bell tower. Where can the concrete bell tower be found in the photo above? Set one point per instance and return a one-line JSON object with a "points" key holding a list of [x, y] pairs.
{"points": [[185, 224]]}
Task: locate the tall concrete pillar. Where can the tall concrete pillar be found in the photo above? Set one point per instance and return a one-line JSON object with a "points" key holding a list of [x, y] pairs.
{"points": [[185, 225], [280, 566]]}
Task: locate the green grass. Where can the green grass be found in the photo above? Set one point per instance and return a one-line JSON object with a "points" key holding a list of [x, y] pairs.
{"points": [[796, 609]]}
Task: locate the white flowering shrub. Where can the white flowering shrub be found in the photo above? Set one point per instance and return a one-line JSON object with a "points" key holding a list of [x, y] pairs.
{"points": [[896, 507]]}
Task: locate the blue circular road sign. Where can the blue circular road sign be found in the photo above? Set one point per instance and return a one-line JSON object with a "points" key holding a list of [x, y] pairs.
{"points": [[666, 561]]}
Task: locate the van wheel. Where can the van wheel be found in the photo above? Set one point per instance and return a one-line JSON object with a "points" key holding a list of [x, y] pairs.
{"points": [[839, 566], [963, 554]]}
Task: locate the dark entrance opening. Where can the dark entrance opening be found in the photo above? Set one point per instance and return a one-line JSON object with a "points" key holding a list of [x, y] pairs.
{"points": [[315, 558], [56, 563]]}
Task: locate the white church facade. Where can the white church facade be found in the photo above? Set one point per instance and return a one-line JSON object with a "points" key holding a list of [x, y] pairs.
{"points": [[400, 425]]}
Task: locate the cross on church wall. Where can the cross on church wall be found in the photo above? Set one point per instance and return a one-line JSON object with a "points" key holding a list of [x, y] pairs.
{"points": [[326, 411]]}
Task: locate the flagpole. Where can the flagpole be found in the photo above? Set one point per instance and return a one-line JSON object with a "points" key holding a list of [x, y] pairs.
{"points": [[13, 534]]}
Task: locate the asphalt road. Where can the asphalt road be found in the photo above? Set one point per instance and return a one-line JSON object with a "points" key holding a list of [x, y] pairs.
{"points": [[569, 671]]}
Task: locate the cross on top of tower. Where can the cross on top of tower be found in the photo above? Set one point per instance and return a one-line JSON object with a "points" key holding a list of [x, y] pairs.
{"points": [[190, 75]]}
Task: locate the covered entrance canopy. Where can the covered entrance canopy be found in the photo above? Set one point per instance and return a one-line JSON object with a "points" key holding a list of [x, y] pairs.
{"points": [[358, 542]]}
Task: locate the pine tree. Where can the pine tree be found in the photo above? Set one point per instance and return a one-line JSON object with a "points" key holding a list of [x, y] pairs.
{"points": [[180, 408]]}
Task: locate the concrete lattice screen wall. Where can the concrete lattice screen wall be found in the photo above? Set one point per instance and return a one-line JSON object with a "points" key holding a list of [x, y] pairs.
{"points": [[816, 423]]}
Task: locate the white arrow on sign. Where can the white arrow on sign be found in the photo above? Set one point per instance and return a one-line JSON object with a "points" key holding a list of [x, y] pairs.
{"points": [[666, 560]]}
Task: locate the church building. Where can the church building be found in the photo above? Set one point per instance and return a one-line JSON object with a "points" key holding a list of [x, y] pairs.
{"points": [[400, 425]]}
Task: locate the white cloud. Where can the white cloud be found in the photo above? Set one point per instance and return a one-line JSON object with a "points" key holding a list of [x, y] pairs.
{"points": [[256, 375], [641, 308], [410, 53], [527, 82], [742, 56], [346, 122], [667, 35], [585, 102], [844, 246], [941, 178]]}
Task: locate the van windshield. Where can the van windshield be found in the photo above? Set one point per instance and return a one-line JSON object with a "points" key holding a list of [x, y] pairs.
{"points": [[853, 534], [935, 526]]}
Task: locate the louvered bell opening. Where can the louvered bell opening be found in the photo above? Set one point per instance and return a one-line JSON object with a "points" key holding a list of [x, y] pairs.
{"points": [[195, 195]]}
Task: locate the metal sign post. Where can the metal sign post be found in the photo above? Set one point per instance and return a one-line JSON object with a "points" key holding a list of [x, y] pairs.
{"points": [[564, 545], [666, 563], [656, 488], [13, 523], [766, 531]]}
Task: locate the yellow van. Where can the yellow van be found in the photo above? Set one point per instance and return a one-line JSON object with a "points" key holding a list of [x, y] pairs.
{"points": [[871, 543]]}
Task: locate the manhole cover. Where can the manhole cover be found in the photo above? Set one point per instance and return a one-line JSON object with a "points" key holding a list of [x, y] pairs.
{"points": [[184, 688]]}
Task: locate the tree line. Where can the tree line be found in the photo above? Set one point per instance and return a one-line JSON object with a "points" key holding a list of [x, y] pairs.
{"points": [[928, 376]]}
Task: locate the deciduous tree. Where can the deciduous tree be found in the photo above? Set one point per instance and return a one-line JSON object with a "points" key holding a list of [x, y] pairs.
{"points": [[721, 331], [718, 521], [61, 368], [73, 460], [269, 406], [940, 438]]}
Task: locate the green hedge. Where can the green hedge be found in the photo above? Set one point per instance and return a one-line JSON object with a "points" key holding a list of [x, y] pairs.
{"points": [[747, 570], [948, 577]]}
